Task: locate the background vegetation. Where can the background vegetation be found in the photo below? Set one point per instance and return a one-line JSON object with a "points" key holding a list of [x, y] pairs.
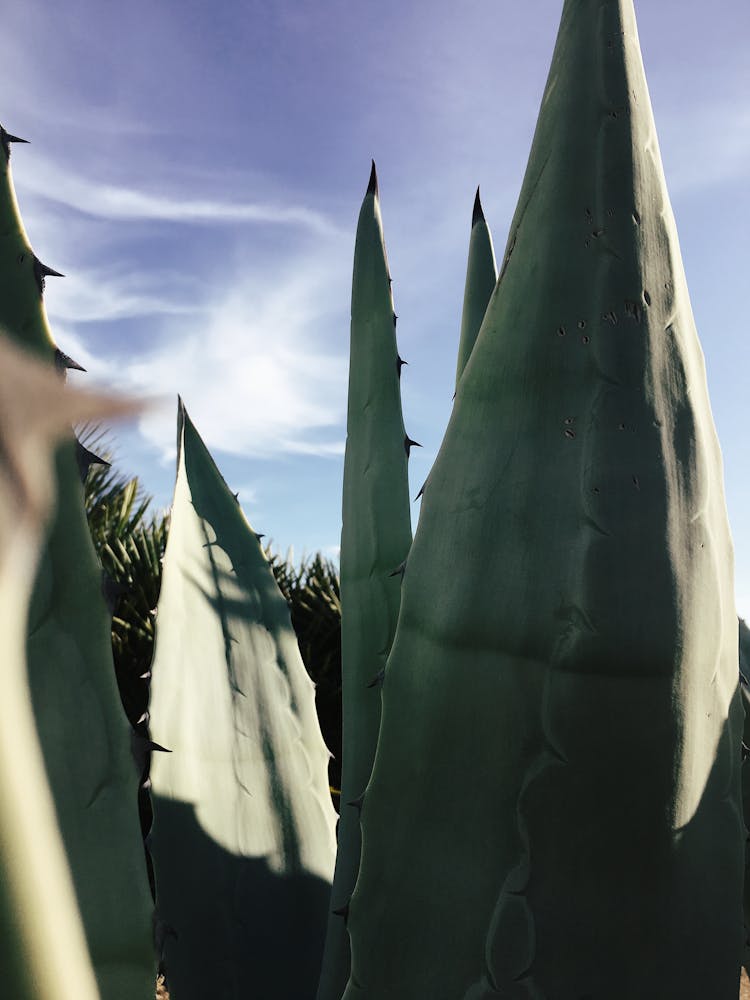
{"points": [[130, 539]]}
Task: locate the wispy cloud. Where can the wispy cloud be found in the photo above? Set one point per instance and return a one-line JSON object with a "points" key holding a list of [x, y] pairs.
{"points": [[97, 295], [253, 372], [116, 203]]}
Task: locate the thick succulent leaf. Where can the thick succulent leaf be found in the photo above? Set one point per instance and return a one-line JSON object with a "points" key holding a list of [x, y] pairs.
{"points": [[481, 277], [561, 700], [375, 539], [43, 952], [243, 838], [82, 728]]}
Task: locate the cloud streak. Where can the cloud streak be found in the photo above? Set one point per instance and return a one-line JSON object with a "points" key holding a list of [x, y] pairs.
{"points": [[126, 204], [252, 368], [98, 296]]}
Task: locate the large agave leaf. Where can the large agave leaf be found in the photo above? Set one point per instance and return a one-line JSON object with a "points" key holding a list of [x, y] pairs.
{"points": [[481, 277], [561, 700], [243, 837], [43, 953], [82, 728], [375, 540]]}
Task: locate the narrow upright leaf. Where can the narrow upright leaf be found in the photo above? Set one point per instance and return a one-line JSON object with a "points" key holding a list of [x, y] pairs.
{"points": [[481, 277], [375, 538]]}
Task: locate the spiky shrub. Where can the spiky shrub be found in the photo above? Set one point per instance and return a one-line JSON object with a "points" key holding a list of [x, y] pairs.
{"points": [[82, 730], [560, 701], [243, 838], [129, 543], [43, 952]]}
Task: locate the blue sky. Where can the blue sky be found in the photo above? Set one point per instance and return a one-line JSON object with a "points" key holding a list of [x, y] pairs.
{"points": [[196, 171]]}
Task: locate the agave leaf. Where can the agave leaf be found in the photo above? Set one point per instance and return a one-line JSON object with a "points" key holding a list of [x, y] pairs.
{"points": [[243, 836], [561, 698], [375, 537], [481, 277], [43, 952], [82, 729]]}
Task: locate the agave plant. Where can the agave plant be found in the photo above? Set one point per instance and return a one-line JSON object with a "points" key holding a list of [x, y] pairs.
{"points": [[561, 699]]}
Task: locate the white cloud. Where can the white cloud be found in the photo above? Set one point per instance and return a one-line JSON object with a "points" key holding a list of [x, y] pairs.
{"points": [[98, 295], [251, 373], [53, 182]]}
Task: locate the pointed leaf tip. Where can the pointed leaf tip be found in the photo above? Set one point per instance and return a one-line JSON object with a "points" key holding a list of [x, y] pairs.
{"points": [[409, 444], [372, 186], [86, 459], [477, 214], [42, 271], [64, 361], [6, 139]]}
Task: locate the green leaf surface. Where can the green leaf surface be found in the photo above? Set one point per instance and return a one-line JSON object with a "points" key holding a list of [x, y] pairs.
{"points": [[375, 540], [561, 700], [243, 838]]}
